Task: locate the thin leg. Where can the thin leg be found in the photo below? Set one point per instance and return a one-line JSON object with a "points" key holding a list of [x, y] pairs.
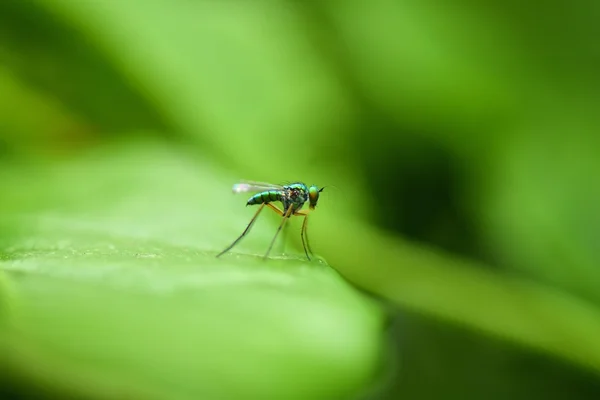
{"points": [[304, 237], [303, 233], [275, 208], [245, 231], [284, 236], [285, 218], [285, 228]]}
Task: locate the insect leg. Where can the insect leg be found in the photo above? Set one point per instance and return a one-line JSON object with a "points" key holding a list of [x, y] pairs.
{"points": [[284, 236], [285, 218], [304, 235], [285, 228], [275, 208], [243, 233]]}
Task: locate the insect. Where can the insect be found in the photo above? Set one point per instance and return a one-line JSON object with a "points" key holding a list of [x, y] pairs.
{"points": [[292, 198]]}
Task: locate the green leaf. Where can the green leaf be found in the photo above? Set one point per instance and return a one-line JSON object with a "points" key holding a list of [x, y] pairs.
{"points": [[429, 64], [55, 61], [116, 280], [462, 292], [542, 202], [112, 256], [271, 120], [187, 57]]}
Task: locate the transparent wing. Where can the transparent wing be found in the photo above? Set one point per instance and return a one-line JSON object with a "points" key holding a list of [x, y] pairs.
{"points": [[253, 186]]}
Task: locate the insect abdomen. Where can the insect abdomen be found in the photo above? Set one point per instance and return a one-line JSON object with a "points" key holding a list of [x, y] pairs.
{"points": [[265, 197]]}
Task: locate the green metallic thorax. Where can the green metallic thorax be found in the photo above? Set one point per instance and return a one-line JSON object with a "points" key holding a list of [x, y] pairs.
{"points": [[294, 195]]}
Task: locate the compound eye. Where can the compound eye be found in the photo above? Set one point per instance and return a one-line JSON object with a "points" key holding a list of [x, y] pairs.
{"points": [[313, 195]]}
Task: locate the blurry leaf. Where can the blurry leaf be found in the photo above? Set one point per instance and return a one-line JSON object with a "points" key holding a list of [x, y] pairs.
{"points": [[118, 285], [57, 61], [459, 291], [467, 365], [33, 123], [240, 76], [245, 81], [542, 202], [429, 63], [6, 300]]}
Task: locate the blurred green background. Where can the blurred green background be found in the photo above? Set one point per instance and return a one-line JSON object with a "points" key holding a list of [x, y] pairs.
{"points": [[458, 235]]}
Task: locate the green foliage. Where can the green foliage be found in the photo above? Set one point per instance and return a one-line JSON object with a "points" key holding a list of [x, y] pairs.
{"points": [[437, 129], [116, 272]]}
